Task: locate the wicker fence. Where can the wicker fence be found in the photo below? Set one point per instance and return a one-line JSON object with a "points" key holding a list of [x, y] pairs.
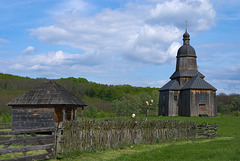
{"points": [[206, 130], [88, 135]]}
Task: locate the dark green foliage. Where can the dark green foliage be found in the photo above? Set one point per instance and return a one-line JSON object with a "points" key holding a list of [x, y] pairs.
{"points": [[74, 80], [225, 103], [232, 106], [98, 95], [6, 118], [235, 104], [10, 76], [127, 105]]}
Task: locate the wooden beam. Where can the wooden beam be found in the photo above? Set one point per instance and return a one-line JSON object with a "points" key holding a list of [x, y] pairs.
{"points": [[63, 111], [24, 144], [26, 139], [82, 113], [76, 113], [18, 132], [8, 144], [72, 113], [32, 157], [41, 142], [26, 149]]}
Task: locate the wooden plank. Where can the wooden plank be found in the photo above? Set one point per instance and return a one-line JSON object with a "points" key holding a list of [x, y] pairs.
{"points": [[31, 157], [24, 144], [63, 111], [29, 148], [27, 139], [26, 131], [41, 142], [8, 144]]}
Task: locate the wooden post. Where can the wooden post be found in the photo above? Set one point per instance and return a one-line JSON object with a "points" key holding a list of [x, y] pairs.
{"points": [[82, 113], [58, 132], [72, 114], [75, 113], [63, 111], [24, 144]]}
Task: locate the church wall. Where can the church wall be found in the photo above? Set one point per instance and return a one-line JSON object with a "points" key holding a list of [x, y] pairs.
{"points": [[186, 63], [203, 102], [173, 103], [184, 103], [163, 103]]}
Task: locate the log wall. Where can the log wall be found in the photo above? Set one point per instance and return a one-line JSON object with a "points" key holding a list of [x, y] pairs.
{"points": [[32, 117]]}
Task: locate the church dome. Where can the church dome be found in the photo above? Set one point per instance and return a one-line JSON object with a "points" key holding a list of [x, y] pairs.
{"points": [[186, 49]]}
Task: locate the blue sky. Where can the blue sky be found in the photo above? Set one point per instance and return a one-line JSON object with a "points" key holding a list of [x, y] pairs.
{"points": [[120, 41]]}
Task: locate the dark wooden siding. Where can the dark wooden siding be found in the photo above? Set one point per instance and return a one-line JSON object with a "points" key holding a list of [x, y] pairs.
{"points": [[173, 103], [186, 63], [203, 102], [32, 117], [184, 104], [163, 103]]}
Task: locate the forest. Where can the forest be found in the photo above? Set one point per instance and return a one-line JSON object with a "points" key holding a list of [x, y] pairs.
{"points": [[103, 100]]}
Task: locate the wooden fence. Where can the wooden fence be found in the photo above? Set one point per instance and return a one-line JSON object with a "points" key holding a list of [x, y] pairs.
{"points": [[28, 140], [206, 130], [88, 135]]}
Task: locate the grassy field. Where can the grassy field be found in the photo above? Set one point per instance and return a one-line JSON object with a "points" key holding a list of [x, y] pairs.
{"points": [[225, 147]]}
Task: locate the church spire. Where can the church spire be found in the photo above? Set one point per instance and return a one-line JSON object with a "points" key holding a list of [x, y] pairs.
{"points": [[186, 36]]}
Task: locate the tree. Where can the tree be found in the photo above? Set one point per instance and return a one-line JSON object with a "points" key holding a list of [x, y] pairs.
{"points": [[93, 111], [235, 104], [126, 105]]}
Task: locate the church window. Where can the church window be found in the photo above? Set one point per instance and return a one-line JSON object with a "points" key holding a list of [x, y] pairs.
{"points": [[201, 98], [190, 63], [175, 97]]}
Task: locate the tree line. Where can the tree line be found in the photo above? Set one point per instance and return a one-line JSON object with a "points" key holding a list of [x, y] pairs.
{"points": [[103, 100], [228, 104]]}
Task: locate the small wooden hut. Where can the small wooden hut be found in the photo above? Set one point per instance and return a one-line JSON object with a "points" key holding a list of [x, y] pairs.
{"points": [[43, 106]]}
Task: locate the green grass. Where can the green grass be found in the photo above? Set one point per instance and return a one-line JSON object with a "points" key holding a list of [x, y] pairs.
{"points": [[225, 147]]}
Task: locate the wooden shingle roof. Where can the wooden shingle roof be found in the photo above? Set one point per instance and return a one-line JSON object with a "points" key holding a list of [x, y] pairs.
{"points": [[198, 83], [48, 93], [186, 73], [171, 85]]}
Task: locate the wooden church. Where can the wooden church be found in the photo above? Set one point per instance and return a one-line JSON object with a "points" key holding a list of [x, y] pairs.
{"points": [[43, 106], [187, 93]]}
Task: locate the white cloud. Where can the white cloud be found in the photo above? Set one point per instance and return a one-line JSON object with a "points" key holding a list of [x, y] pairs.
{"points": [[4, 41], [29, 50], [147, 33], [114, 42], [58, 64], [199, 13]]}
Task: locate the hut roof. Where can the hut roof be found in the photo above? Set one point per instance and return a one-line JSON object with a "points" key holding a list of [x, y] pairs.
{"points": [[48, 93]]}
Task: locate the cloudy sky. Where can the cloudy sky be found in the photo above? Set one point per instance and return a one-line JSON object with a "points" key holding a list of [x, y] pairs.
{"points": [[120, 41]]}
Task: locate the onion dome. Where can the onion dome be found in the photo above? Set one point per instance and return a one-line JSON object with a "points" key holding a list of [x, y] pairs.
{"points": [[186, 49]]}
